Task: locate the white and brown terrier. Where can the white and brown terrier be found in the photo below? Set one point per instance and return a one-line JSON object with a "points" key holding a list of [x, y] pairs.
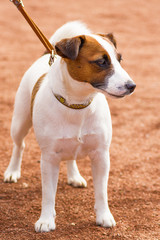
{"points": [[66, 104]]}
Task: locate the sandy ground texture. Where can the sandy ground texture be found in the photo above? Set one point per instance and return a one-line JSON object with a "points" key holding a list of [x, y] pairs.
{"points": [[135, 149]]}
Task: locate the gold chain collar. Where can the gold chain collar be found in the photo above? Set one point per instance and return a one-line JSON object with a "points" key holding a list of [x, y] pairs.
{"points": [[73, 106]]}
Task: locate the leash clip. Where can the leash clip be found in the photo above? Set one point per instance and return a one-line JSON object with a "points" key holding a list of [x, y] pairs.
{"points": [[51, 59], [17, 3]]}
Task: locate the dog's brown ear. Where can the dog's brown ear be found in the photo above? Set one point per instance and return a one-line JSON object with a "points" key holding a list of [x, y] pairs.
{"points": [[69, 47], [111, 37]]}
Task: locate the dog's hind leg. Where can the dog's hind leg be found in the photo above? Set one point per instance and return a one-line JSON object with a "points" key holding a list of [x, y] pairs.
{"points": [[21, 123], [74, 177]]}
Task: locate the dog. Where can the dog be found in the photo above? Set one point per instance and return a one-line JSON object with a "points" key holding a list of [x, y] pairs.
{"points": [[66, 104]]}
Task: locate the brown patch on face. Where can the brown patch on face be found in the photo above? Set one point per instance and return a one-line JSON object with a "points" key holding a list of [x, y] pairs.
{"points": [[92, 64], [111, 39]]}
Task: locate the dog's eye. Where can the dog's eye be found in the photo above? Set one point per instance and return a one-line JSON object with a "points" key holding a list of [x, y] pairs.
{"points": [[103, 62]]}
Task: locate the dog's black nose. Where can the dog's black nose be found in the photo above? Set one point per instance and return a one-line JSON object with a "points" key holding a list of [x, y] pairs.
{"points": [[130, 86]]}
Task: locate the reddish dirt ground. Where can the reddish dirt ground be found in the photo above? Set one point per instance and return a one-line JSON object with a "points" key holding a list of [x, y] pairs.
{"points": [[135, 149]]}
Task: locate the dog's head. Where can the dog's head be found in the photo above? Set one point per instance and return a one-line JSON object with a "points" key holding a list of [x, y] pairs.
{"points": [[94, 59]]}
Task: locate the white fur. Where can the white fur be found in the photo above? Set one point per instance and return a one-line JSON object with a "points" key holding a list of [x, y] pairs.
{"points": [[63, 133], [69, 30]]}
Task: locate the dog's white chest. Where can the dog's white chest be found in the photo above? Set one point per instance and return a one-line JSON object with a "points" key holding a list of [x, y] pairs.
{"points": [[74, 148], [72, 134]]}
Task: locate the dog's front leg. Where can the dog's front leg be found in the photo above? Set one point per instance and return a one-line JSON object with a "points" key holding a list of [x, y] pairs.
{"points": [[50, 172], [100, 171]]}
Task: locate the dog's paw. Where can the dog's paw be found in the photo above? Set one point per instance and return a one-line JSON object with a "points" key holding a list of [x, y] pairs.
{"points": [[105, 220], [77, 181], [12, 176], [45, 225]]}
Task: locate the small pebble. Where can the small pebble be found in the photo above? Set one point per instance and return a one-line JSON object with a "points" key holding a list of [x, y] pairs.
{"points": [[25, 185], [73, 224]]}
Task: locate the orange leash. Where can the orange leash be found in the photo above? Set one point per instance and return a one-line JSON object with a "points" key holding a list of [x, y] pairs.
{"points": [[40, 35]]}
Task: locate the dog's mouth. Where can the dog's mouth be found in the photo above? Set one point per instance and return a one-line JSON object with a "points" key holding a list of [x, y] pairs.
{"points": [[115, 96], [129, 88], [112, 95], [102, 88]]}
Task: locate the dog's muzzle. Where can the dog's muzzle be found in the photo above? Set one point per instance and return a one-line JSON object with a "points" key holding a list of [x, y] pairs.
{"points": [[128, 88]]}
